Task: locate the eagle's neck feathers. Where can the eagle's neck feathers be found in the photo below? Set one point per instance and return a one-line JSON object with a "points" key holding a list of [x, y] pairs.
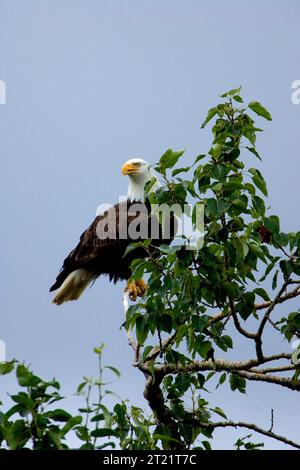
{"points": [[136, 188]]}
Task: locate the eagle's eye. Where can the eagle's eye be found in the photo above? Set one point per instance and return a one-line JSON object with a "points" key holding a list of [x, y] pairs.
{"points": [[137, 164]]}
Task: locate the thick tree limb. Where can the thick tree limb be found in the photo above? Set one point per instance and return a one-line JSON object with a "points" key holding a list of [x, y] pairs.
{"points": [[216, 365], [218, 317], [162, 413], [241, 368]]}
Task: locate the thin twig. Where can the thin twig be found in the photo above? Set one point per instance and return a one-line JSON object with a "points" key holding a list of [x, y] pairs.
{"points": [[274, 325], [156, 350], [272, 420]]}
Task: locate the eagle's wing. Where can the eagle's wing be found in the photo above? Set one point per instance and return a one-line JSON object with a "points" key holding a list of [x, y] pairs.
{"points": [[102, 245]]}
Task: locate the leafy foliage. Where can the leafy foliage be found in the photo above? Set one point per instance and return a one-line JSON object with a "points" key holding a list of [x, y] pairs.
{"points": [[198, 302], [34, 421]]}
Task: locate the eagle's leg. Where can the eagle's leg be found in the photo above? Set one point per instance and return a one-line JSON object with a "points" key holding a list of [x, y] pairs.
{"points": [[136, 288]]}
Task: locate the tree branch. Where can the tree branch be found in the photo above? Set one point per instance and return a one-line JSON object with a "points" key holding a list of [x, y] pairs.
{"points": [[289, 295], [163, 415], [274, 379], [258, 339], [157, 349], [242, 368], [253, 427], [237, 324], [273, 369]]}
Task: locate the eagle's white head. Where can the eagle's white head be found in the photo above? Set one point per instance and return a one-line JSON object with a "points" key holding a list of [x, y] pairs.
{"points": [[139, 172]]}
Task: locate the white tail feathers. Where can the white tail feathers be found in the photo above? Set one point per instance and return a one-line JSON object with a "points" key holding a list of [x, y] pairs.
{"points": [[74, 285]]}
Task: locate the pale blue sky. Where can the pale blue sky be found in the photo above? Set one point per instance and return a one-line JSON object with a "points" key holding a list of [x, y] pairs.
{"points": [[91, 84]]}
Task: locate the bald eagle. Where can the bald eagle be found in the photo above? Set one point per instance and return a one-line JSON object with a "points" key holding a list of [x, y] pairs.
{"points": [[102, 246]]}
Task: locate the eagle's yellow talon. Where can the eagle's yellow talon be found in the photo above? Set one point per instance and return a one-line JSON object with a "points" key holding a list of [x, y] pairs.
{"points": [[142, 287], [132, 290], [136, 289]]}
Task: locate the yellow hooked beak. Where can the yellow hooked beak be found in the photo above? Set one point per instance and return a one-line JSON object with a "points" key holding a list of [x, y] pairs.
{"points": [[129, 169]]}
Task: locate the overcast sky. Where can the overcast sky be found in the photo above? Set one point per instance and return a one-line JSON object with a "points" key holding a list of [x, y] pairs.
{"points": [[91, 84]]}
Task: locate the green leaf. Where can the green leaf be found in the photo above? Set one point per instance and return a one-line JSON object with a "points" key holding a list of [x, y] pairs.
{"points": [[81, 387], [179, 192], [203, 347], [211, 113], [165, 438], [259, 181], [269, 269], [272, 223], [227, 340], [262, 293], [170, 158], [182, 383], [58, 415], [18, 435], [260, 110], [286, 267], [199, 157], [98, 417], [138, 270], [222, 379], [216, 206], [54, 437], [206, 445], [180, 170], [71, 423], [25, 377], [274, 281], [245, 306], [14, 409], [113, 369], [146, 352], [142, 329], [234, 91], [7, 367], [253, 150], [107, 415], [210, 375], [237, 383], [238, 98], [104, 432], [258, 206], [23, 399], [219, 411], [131, 247]]}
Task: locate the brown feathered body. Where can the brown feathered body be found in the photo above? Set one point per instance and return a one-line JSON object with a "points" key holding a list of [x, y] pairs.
{"points": [[102, 247]]}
